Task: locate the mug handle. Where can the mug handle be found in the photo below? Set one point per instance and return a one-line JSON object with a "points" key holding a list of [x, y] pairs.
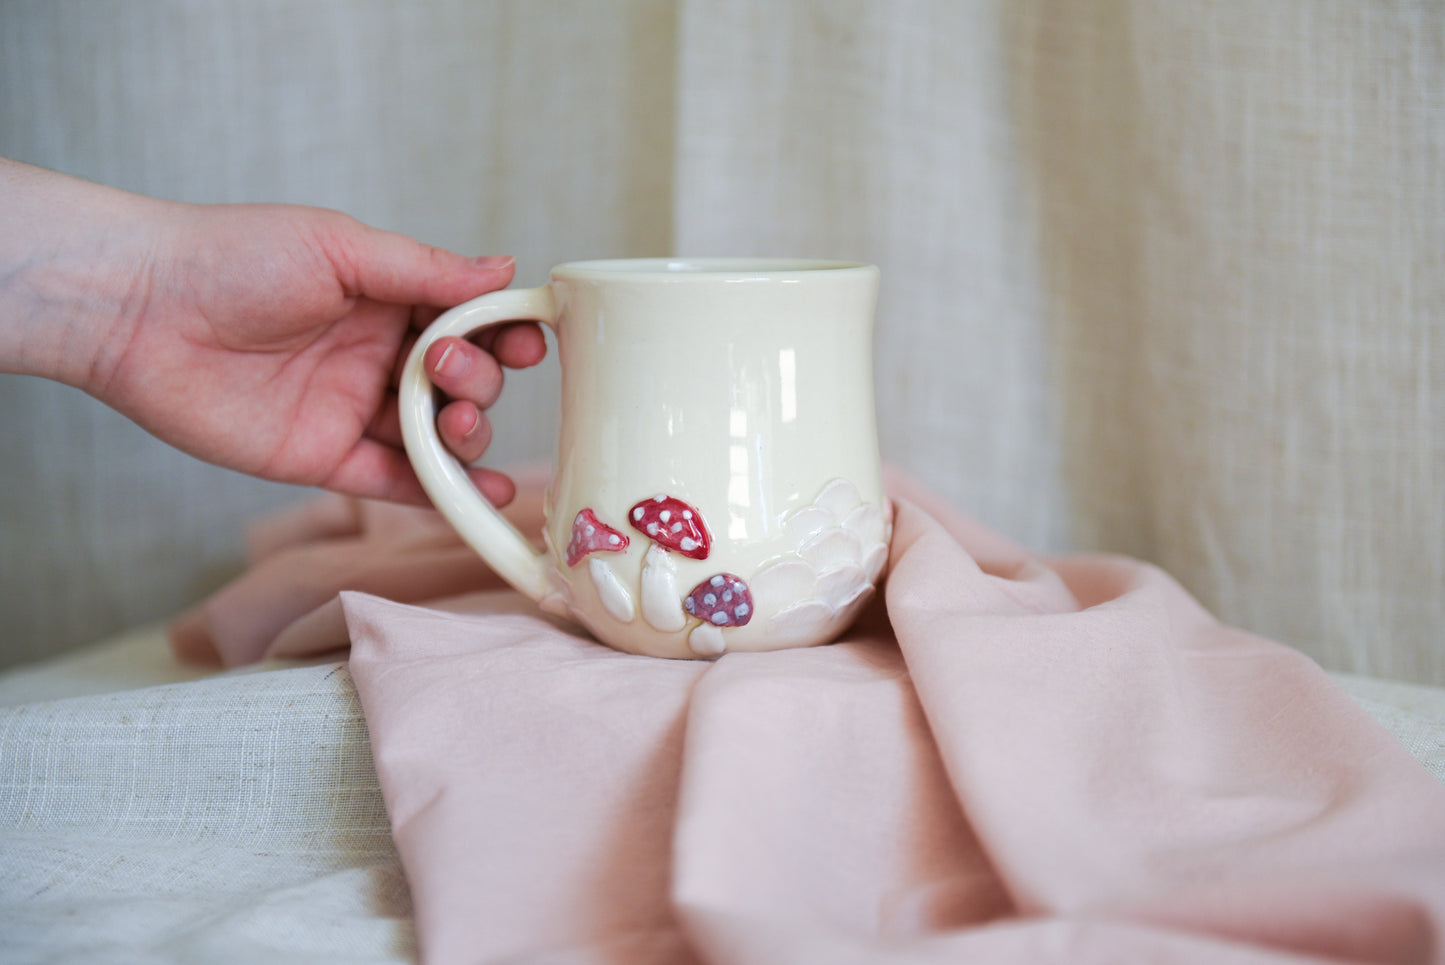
{"points": [[442, 475]]}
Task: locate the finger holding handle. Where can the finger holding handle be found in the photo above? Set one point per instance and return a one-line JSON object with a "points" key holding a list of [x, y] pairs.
{"points": [[442, 475], [471, 375]]}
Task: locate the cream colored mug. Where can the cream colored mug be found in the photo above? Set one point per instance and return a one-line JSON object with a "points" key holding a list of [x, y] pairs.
{"points": [[717, 483]]}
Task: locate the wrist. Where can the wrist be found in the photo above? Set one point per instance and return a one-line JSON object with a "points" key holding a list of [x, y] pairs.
{"points": [[75, 269]]}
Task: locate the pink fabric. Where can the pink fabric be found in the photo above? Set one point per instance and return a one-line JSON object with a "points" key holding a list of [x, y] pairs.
{"points": [[1006, 761], [286, 603]]}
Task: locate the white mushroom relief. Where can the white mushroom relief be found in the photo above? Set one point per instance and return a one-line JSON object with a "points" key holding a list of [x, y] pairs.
{"points": [[674, 527]]}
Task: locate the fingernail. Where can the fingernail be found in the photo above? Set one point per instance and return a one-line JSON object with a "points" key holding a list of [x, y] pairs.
{"points": [[452, 363], [493, 262]]}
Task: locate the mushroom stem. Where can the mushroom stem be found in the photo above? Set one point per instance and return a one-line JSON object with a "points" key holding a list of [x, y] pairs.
{"points": [[661, 604], [706, 640], [614, 596]]}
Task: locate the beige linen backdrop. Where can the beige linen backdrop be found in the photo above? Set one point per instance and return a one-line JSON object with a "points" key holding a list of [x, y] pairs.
{"points": [[1164, 278]]}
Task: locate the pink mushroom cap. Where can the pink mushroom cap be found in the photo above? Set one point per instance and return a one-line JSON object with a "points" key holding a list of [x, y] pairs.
{"points": [[591, 535], [673, 525]]}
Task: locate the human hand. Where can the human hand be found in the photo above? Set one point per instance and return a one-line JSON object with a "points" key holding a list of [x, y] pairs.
{"points": [[273, 346], [263, 338]]}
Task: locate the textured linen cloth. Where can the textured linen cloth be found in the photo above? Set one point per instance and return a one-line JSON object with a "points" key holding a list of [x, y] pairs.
{"points": [[228, 820], [1008, 758]]}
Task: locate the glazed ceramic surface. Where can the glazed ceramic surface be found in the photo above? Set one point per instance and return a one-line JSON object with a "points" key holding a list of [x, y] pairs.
{"points": [[717, 480]]}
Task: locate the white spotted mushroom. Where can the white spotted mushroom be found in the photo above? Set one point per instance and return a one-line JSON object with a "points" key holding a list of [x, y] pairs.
{"points": [[720, 602], [674, 527], [591, 535]]}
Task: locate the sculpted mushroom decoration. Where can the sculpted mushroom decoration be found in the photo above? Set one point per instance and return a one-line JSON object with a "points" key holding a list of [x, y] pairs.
{"points": [[591, 535], [674, 527], [720, 602]]}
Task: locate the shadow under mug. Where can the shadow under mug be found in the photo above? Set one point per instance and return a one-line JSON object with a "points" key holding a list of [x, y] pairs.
{"points": [[717, 483]]}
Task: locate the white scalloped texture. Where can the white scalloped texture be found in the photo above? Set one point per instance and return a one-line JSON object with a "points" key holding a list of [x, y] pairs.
{"points": [[842, 544]]}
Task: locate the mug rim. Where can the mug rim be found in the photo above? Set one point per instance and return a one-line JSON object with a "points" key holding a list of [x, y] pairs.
{"points": [[682, 269]]}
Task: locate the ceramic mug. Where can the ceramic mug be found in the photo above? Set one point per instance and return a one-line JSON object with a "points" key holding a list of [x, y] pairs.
{"points": [[717, 483]]}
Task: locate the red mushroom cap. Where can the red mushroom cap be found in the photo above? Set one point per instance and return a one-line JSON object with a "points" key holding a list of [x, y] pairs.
{"points": [[673, 525], [591, 535], [723, 600]]}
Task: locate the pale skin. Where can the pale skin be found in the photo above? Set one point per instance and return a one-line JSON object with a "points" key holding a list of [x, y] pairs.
{"points": [[262, 338]]}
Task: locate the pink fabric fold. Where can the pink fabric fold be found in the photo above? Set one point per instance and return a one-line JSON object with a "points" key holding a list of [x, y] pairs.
{"points": [[1007, 760], [286, 603]]}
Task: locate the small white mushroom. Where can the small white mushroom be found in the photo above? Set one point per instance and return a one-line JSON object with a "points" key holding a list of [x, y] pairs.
{"points": [[706, 640]]}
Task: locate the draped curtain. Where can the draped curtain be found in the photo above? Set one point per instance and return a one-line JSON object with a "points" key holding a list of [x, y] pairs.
{"points": [[1160, 278]]}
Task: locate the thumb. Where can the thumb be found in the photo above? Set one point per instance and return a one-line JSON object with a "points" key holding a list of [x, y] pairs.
{"points": [[388, 267]]}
